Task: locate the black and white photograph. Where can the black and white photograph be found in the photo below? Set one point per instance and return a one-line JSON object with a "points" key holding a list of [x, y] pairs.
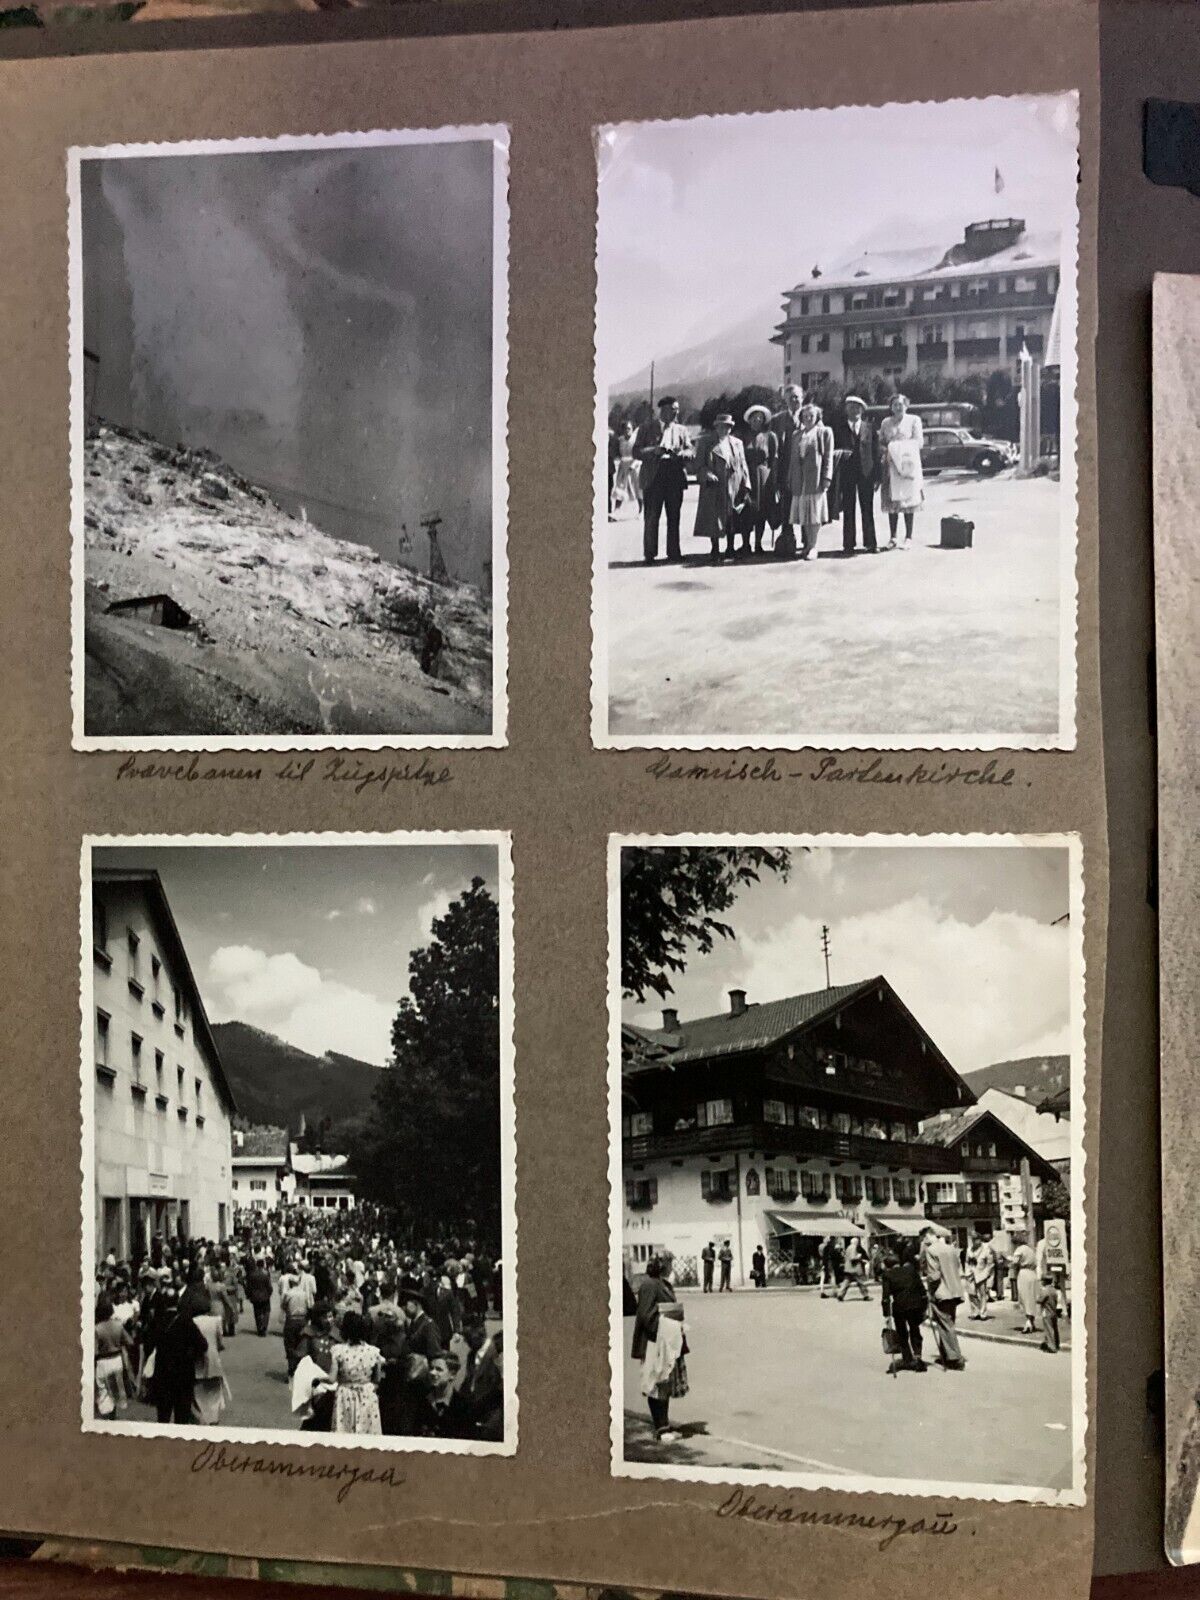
{"points": [[835, 478], [298, 1217], [846, 1163], [289, 441]]}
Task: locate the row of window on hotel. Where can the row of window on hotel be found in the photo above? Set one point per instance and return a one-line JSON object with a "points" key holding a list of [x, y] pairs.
{"points": [[135, 972], [721, 1184], [138, 1084], [824, 305]]}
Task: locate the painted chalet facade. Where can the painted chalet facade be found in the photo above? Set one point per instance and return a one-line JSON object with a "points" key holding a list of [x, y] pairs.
{"points": [[982, 1189], [776, 1124]]}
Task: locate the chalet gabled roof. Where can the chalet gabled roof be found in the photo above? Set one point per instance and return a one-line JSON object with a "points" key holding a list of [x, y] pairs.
{"points": [[148, 881], [949, 1128], [760, 1026]]}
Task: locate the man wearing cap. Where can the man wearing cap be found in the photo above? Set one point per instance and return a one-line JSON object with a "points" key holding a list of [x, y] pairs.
{"points": [[663, 446], [724, 484], [860, 469], [783, 425]]}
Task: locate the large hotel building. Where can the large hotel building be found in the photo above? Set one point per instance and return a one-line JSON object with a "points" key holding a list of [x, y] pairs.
{"points": [[781, 1123], [951, 308], [162, 1107]]}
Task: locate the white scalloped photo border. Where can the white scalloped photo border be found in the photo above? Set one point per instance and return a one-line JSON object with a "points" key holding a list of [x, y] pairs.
{"points": [[604, 137], [500, 137], [863, 1483], [501, 840]]}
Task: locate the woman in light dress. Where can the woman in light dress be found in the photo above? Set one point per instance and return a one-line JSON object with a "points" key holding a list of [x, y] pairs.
{"points": [[211, 1388], [1024, 1262], [357, 1369], [810, 472], [626, 477], [901, 437]]}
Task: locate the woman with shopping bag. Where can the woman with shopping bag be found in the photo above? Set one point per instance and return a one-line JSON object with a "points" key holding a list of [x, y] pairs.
{"points": [[905, 1303]]}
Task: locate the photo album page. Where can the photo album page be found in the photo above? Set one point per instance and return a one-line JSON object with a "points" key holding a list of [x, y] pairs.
{"points": [[558, 880]]}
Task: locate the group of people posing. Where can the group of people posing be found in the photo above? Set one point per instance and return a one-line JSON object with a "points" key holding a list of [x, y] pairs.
{"points": [[377, 1339], [782, 471]]}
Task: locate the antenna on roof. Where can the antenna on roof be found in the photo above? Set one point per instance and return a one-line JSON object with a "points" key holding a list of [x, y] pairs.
{"points": [[825, 952]]}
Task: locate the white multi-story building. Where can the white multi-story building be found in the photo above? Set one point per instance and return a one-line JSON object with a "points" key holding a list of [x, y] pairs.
{"points": [[161, 1105], [966, 307]]}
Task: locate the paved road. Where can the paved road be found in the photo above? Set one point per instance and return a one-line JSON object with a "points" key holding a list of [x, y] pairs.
{"points": [[920, 641], [788, 1382]]}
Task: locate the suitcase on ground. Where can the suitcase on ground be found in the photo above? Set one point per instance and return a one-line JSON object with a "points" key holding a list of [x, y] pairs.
{"points": [[957, 533]]}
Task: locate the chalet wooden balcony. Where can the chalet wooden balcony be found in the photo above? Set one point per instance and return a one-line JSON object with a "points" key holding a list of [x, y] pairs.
{"points": [[987, 1164], [799, 1142], [962, 1211]]}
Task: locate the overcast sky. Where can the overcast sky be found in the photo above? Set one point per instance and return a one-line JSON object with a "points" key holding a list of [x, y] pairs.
{"points": [[320, 318], [310, 943], [705, 220], [965, 935]]}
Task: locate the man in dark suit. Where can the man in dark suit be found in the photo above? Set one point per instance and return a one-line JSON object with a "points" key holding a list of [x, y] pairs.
{"points": [[859, 474], [783, 425], [663, 446]]}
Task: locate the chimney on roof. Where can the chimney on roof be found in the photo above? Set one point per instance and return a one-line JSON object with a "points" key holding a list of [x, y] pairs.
{"points": [[737, 1002], [670, 1019]]}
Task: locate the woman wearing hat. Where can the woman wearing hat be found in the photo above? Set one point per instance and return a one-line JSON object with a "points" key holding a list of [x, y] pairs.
{"points": [[762, 452], [810, 472], [724, 483]]}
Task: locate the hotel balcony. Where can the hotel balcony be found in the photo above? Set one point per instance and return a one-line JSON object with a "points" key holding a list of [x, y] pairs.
{"points": [[942, 301], [798, 1142], [933, 350], [1033, 342], [976, 349], [876, 355]]}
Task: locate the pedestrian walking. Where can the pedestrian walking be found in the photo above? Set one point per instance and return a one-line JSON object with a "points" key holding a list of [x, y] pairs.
{"points": [[626, 485], [708, 1258], [1047, 1296], [725, 1257], [854, 1269], [981, 1264], [905, 1304], [357, 1368], [113, 1346], [944, 1286], [258, 1292], [831, 1267], [296, 1297], [759, 1265]]}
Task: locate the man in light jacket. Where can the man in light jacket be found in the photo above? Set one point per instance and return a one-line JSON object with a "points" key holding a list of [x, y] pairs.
{"points": [[943, 1282]]}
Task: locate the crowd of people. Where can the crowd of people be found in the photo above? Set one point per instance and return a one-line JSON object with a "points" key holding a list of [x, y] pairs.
{"points": [[772, 472], [377, 1337], [923, 1281]]}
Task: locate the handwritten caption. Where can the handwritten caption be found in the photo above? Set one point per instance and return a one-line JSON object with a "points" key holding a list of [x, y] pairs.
{"points": [[215, 1458], [831, 769], [358, 776], [741, 1503]]}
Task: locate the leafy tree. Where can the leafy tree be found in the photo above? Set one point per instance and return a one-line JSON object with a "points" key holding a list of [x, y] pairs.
{"points": [[432, 1149], [1055, 1201], [672, 900]]}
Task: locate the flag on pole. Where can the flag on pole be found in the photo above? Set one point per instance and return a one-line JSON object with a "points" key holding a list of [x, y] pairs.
{"points": [[998, 181]]}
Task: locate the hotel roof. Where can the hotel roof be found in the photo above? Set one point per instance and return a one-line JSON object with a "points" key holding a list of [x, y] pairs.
{"points": [[934, 262]]}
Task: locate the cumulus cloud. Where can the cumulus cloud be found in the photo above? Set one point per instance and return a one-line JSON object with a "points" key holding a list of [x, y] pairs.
{"points": [[434, 907], [985, 991], [285, 996]]}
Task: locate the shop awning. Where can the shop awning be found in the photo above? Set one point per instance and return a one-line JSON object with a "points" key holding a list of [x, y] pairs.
{"points": [[882, 1222], [818, 1227]]}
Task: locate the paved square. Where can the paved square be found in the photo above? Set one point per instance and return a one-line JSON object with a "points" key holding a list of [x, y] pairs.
{"points": [[783, 1381], [909, 643]]}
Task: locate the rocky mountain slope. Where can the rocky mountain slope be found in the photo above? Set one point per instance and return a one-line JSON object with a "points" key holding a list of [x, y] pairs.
{"points": [[293, 632]]}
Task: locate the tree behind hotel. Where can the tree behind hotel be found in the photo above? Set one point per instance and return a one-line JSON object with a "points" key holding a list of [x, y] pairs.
{"points": [[431, 1149], [672, 900]]}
